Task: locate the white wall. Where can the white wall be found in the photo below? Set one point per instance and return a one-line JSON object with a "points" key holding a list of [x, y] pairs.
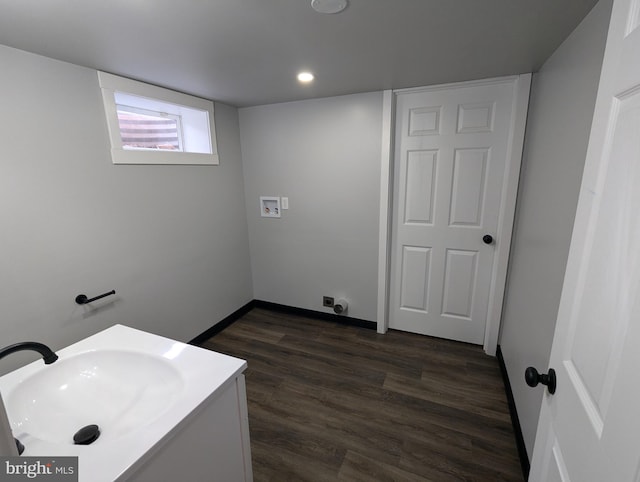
{"points": [[324, 155], [561, 107], [171, 240]]}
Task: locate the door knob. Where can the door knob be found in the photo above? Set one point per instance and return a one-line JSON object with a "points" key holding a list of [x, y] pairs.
{"points": [[487, 239], [532, 377]]}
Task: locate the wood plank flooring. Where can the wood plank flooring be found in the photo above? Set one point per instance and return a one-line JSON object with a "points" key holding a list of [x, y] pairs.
{"points": [[333, 402]]}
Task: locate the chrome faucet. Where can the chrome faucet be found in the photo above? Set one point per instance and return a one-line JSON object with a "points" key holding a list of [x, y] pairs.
{"points": [[8, 444], [47, 354]]}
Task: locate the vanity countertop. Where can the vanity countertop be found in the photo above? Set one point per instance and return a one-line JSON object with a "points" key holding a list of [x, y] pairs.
{"points": [[201, 375]]}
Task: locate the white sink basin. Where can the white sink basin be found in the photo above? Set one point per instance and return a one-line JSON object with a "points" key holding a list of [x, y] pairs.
{"points": [[140, 389], [119, 391]]}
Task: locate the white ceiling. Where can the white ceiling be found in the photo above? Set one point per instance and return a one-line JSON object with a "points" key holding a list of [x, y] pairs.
{"points": [[248, 52]]}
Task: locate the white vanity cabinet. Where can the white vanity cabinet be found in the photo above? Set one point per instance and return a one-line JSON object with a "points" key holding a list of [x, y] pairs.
{"points": [[212, 444]]}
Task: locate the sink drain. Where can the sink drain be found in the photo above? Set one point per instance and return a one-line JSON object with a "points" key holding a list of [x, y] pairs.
{"points": [[86, 435]]}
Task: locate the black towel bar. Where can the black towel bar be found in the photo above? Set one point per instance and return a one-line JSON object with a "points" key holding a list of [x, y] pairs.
{"points": [[83, 300]]}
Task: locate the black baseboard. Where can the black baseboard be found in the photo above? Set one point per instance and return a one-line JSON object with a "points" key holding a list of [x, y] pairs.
{"points": [[372, 325], [229, 320], [222, 324], [515, 421]]}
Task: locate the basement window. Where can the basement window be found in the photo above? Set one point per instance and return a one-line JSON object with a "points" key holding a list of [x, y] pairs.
{"points": [[152, 125], [147, 129]]}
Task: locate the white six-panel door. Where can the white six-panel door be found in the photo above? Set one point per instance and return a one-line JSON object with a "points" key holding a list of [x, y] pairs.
{"points": [[589, 431], [451, 146]]}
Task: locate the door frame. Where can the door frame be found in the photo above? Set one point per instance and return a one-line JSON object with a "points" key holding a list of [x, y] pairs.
{"points": [[522, 86]]}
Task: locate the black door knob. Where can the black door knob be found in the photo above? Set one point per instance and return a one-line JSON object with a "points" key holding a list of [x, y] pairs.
{"points": [[487, 239], [532, 377]]}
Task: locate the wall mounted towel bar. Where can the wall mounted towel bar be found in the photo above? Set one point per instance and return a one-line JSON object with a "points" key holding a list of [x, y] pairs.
{"points": [[83, 300]]}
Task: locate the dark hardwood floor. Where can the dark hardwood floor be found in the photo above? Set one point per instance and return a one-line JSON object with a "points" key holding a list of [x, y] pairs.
{"points": [[333, 402]]}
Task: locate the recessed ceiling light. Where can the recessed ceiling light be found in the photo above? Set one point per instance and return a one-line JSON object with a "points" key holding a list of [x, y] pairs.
{"points": [[329, 6], [305, 77]]}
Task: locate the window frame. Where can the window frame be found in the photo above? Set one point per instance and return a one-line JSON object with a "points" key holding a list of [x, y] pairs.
{"points": [[110, 84]]}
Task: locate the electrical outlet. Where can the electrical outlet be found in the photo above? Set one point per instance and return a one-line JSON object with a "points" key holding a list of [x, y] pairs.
{"points": [[327, 301]]}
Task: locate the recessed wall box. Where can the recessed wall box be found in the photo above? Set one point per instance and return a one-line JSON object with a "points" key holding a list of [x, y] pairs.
{"points": [[269, 207]]}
